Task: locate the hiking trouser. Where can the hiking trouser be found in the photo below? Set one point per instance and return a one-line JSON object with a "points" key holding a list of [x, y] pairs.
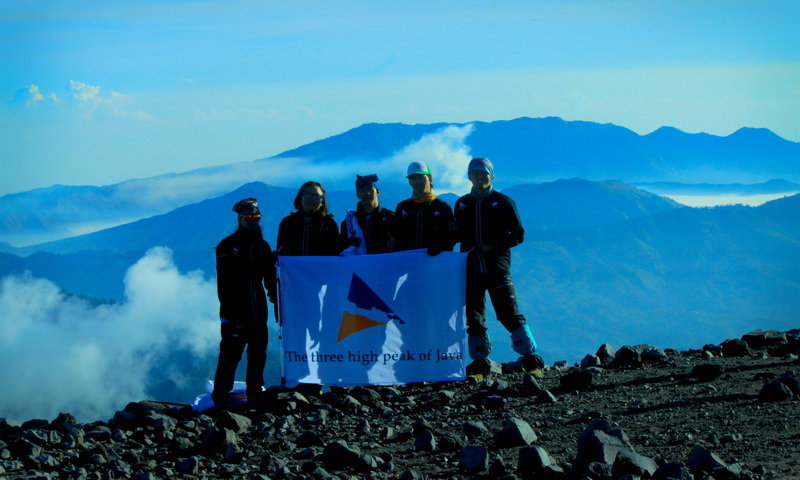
{"points": [[485, 274], [234, 340]]}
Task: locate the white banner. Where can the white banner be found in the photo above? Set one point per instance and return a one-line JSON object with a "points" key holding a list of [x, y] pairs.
{"points": [[373, 319]]}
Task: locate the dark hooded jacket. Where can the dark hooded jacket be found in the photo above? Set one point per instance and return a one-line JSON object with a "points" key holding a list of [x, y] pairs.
{"points": [[245, 267], [490, 220], [423, 225], [377, 227], [318, 237]]}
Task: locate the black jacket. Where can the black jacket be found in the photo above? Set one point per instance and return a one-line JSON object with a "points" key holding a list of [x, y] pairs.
{"points": [[377, 229], [423, 225], [319, 237], [491, 220], [245, 267]]}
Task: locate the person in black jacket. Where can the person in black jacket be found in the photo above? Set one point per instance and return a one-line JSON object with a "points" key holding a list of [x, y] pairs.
{"points": [[423, 221], [245, 267], [488, 226], [368, 229], [310, 230]]}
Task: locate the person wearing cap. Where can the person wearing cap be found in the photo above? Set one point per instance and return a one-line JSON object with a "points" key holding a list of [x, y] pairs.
{"points": [[310, 230], [245, 268], [488, 226], [423, 221], [368, 228]]}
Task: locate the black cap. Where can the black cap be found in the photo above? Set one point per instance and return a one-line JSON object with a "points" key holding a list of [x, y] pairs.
{"points": [[248, 206], [366, 181]]}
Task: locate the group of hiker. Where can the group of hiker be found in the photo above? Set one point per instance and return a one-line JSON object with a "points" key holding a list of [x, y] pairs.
{"points": [[485, 223]]}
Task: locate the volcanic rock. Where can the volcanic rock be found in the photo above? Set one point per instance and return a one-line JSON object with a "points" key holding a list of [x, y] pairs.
{"points": [[576, 380], [516, 433], [474, 458]]}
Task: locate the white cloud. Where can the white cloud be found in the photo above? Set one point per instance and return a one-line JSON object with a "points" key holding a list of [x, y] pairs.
{"points": [[60, 353], [32, 95], [84, 92], [446, 153]]}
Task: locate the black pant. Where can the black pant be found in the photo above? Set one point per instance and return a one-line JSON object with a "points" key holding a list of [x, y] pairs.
{"points": [[230, 352], [492, 274]]}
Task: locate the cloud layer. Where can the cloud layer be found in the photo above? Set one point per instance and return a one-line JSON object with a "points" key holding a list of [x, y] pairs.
{"points": [[61, 353]]}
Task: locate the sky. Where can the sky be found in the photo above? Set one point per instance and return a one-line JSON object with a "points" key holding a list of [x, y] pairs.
{"points": [[93, 93]]}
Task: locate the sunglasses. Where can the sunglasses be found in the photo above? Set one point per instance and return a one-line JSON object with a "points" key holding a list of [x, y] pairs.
{"points": [[313, 196], [255, 216]]}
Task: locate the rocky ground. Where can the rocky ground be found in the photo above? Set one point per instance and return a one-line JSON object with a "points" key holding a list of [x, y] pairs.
{"points": [[726, 411]]}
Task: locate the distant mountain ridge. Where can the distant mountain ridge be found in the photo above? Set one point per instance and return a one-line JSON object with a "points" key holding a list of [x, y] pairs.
{"points": [[525, 150], [676, 188]]}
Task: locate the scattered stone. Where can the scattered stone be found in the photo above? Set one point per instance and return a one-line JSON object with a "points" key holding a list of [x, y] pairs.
{"points": [[188, 466], [627, 357], [474, 459], [605, 443], [474, 428], [706, 372], [546, 396], [704, 460], [516, 433], [673, 471], [577, 380], [339, 454], [532, 460], [591, 361], [366, 396], [779, 389], [653, 356], [530, 386], [606, 353], [411, 475], [765, 339], [425, 441], [234, 422], [494, 402], [484, 366], [309, 439], [735, 347]]}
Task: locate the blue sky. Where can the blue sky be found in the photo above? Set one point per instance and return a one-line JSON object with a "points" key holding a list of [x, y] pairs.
{"points": [[99, 92]]}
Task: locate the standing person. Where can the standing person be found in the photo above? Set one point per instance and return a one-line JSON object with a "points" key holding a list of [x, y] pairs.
{"points": [[368, 229], [310, 230], [423, 221], [245, 267], [488, 226]]}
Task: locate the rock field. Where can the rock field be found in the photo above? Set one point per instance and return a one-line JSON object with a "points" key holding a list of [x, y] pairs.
{"points": [[728, 411]]}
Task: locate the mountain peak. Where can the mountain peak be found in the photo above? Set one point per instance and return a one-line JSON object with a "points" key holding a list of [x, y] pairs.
{"points": [[751, 133], [665, 131]]}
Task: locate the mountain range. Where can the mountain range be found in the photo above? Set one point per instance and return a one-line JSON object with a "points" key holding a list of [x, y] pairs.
{"points": [[597, 256], [602, 259], [525, 150]]}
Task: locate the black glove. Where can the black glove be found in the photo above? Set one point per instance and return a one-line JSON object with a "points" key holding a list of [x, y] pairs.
{"points": [[433, 251], [354, 242]]}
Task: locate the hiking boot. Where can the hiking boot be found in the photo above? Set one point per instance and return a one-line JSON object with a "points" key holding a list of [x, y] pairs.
{"points": [[533, 364], [484, 366]]}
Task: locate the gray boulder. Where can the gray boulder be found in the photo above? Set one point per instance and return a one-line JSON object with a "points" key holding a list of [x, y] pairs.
{"points": [[516, 433], [474, 459]]}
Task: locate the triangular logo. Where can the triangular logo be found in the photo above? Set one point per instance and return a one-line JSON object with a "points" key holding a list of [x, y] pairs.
{"points": [[354, 323]]}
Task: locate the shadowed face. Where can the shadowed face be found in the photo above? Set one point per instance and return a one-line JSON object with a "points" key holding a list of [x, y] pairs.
{"points": [[367, 193], [311, 200], [480, 179], [420, 183]]}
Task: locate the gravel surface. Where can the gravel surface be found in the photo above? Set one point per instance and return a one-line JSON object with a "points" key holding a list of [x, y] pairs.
{"points": [[725, 411]]}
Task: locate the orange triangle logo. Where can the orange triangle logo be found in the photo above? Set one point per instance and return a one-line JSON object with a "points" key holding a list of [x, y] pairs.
{"points": [[354, 323]]}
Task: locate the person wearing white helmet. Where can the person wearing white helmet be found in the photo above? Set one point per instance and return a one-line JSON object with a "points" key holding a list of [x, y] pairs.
{"points": [[488, 226], [423, 221]]}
